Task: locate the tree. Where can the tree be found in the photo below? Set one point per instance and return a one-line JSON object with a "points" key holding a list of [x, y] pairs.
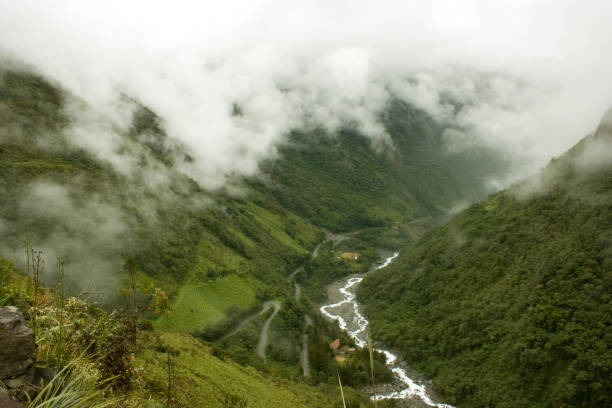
{"points": [[140, 299]]}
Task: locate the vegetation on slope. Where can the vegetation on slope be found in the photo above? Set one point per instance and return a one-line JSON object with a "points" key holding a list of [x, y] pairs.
{"points": [[89, 347], [71, 203], [342, 183], [218, 255], [509, 303], [184, 238]]}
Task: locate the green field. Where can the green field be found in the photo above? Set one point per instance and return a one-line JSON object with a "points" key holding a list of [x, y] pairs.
{"points": [[199, 306]]}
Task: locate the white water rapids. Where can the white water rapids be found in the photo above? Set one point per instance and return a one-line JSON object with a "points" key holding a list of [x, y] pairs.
{"points": [[356, 324]]}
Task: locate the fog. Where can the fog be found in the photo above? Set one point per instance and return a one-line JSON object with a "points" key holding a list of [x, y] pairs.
{"points": [[532, 77], [87, 233], [591, 155]]}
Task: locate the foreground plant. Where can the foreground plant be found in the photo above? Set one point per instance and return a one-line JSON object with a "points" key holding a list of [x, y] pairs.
{"points": [[74, 386], [372, 366], [341, 391]]}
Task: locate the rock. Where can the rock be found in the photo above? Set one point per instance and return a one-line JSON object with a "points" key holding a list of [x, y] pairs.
{"points": [[39, 376], [17, 344], [26, 387], [16, 382], [7, 402], [20, 388]]}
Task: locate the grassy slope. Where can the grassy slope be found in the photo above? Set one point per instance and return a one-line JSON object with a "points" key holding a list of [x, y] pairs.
{"points": [[204, 380], [200, 306], [183, 245], [97, 344], [508, 304]]}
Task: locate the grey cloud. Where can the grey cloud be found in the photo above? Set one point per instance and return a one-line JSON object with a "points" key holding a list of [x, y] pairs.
{"points": [[86, 231]]}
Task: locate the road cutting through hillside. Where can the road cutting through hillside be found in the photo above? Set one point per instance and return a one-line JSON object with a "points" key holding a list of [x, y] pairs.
{"points": [[298, 289], [304, 361], [263, 337], [265, 307]]}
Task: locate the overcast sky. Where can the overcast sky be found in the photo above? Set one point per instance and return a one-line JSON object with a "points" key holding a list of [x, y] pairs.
{"points": [[548, 64]]}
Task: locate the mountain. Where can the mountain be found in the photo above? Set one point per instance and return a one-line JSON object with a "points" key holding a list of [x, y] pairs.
{"points": [[94, 213], [221, 255], [509, 303], [340, 182]]}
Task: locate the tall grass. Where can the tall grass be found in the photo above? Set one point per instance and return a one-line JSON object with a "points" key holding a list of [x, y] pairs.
{"points": [[73, 387], [372, 366], [28, 260], [37, 268], [60, 343], [341, 391]]}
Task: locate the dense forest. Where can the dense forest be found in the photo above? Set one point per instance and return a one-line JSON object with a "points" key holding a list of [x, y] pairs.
{"points": [[509, 303]]}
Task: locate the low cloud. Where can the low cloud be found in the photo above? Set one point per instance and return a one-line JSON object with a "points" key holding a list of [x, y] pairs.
{"points": [[595, 153], [87, 231], [531, 78], [591, 155], [229, 81]]}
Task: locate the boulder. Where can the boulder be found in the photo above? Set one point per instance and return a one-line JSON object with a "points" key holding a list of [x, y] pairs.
{"points": [[26, 387], [17, 345], [7, 402]]}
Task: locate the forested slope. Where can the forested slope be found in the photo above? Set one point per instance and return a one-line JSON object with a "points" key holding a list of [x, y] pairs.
{"points": [[508, 304], [344, 183], [93, 212], [219, 254]]}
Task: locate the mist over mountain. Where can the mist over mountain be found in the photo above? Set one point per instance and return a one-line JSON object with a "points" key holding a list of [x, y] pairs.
{"points": [[211, 174], [522, 87], [130, 196]]}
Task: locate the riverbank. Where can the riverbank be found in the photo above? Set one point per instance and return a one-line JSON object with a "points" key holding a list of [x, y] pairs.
{"points": [[408, 387]]}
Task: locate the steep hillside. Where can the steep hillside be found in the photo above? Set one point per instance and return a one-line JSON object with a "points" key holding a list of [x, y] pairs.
{"points": [[160, 369], [508, 304], [73, 201], [341, 182], [96, 190]]}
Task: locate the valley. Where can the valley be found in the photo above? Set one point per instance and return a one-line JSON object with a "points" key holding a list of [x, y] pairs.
{"points": [[261, 292]]}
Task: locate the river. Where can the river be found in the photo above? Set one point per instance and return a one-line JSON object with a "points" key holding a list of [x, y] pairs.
{"points": [[408, 385]]}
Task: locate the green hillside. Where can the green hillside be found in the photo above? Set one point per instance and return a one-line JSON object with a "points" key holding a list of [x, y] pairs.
{"points": [[341, 183], [77, 206], [219, 255], [508, 304], [138, 375], [208, 380]]}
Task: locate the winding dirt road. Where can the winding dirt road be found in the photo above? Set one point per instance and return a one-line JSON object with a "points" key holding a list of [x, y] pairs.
{"points": [[298, 289], [304, 355], [266, 306], [263, 337]]}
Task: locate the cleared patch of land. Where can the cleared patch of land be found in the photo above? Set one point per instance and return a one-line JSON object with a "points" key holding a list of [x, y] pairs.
{"points": [[199, 306]]}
